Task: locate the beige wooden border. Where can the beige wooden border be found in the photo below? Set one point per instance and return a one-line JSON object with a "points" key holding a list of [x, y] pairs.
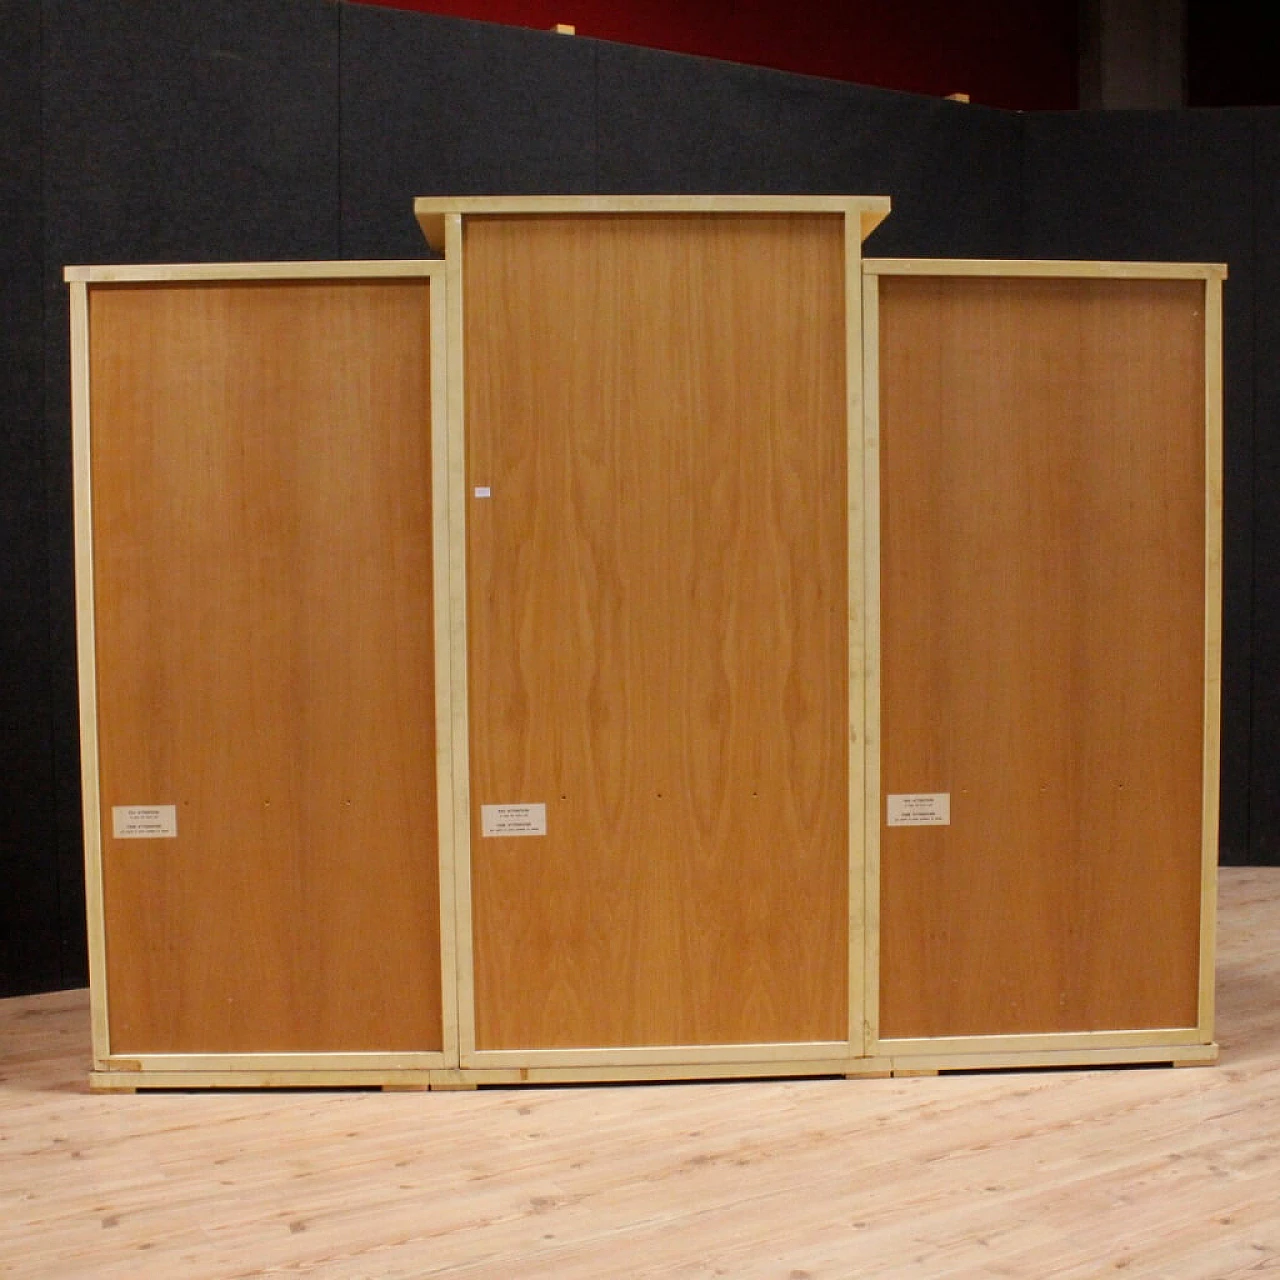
{"points": [[433, 211], [87, 664], [1021, 1058], [870, 886], [1023, 267], [242, 1069], [444, 688], [636, 1072], [1046, 1042], [191, 272], [1212, 646], [859, 393], [678, 1055], [250, 1076], [460, 730], [145, 1063], [1193, 1044]]}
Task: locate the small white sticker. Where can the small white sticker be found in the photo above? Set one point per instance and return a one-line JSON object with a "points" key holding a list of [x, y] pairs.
{"points": [[513, 819], [926, 810], [144, 821], [482, 491]]}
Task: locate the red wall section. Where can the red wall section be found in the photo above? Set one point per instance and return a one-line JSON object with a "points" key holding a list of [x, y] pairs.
{"points": [[1003, 53]]}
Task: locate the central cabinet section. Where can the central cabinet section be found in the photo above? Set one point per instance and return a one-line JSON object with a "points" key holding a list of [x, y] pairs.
{"points": [[657, 628]]}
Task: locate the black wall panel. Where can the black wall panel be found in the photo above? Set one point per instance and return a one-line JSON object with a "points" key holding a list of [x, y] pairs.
{"points": [[691, 125], [1264, 788], [30, 932], [178, 130], [1173, 186], [439, 106]]}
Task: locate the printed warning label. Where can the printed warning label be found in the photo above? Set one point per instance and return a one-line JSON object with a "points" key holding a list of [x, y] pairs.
{"points": [[513, 819], [144, 821], [927, 809]]}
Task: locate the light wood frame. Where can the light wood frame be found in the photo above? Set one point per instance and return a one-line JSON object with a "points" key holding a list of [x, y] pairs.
{"points": [[115, 1071], [1183, 1044], [443, 221]]}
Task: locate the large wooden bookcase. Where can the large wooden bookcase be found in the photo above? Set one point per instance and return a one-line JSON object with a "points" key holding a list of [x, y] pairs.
{"points": [[651, 642]]}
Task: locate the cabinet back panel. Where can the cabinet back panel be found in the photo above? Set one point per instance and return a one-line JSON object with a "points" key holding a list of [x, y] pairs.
{"points": [[1042, 622], [657, 621], [262, 559]]}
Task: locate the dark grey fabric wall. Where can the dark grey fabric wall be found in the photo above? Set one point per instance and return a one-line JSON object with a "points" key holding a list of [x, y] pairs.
{"points": [[436, 106], [176, 130], [1262, 784], [32, 927], [686, 124]]}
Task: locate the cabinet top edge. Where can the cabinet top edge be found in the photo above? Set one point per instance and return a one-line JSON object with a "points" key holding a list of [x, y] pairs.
{"points": [[1044, 267], [159, 273], [432, 210], [650, 204]]}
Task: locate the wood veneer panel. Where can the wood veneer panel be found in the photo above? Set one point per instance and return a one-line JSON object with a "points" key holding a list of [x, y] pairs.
{"points": [[1042, 612], [262, 539], [657, 627]]}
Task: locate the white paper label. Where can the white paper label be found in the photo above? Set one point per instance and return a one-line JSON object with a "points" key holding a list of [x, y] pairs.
{"points": [[925, 810], [513, 819], [144, 821], [482, 491]]}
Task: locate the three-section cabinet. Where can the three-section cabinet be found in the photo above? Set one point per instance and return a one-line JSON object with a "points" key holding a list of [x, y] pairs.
{"points": [[649, 642]]}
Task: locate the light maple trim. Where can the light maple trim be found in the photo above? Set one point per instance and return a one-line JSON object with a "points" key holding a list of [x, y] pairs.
{"points": [[385, 1064], [1030, 1045], [870, 887], [1021, 1059], [86, 659], [1212, 651], [442, 603], [194, 272], [1045, 267], [455, 498], [432, 211], [859, 392], [659, 1072], [256, 1078], [665, 1055]]}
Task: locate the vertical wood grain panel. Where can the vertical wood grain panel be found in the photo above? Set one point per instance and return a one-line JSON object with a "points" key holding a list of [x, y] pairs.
{"points": [[263, 543], [657, 627], [1042, 625]]}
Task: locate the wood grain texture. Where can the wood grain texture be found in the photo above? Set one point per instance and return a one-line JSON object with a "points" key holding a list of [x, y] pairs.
{"points": [[262, 553], [1074, 1174], [657, 627], [1042, 628]]}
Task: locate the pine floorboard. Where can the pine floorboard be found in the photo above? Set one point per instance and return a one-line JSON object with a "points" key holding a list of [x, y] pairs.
{"points": [[1141, 1172]]}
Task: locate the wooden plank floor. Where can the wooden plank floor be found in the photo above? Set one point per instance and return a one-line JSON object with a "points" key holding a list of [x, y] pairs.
{"points": [[1148, 1172]]}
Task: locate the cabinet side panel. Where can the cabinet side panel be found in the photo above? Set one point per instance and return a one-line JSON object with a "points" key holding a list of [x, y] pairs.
{"points": [[1042, 613], [657, 627], [262, 553]]}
